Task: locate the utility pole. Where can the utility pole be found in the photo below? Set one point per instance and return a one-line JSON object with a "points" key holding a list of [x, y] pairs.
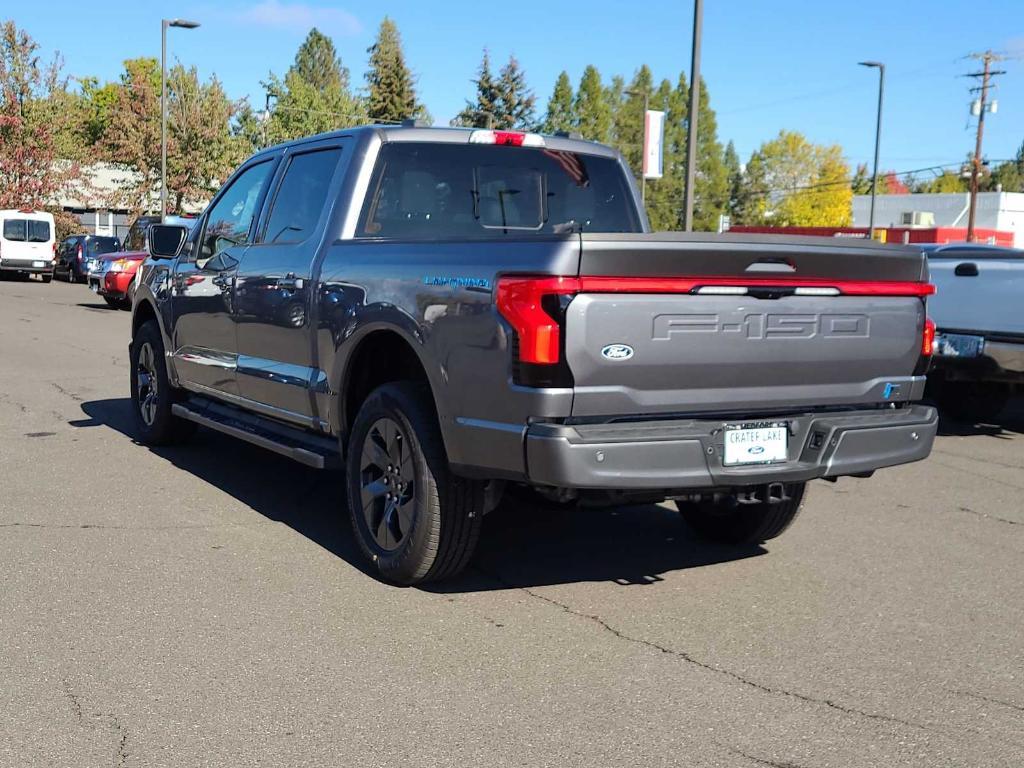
{"points": [[691, 133], [986, 76], [878, 138]]}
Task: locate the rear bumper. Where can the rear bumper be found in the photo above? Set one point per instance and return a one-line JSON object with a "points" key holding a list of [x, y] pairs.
{"points": [[684, 454], [112, 284], [9, 265], [1002, 359]]}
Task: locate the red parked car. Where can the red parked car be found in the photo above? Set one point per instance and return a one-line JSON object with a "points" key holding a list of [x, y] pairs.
{"points": [[112, 275]]}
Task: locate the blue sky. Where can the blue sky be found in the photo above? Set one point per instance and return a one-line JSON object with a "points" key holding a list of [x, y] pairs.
{"points": [[769, 65]]}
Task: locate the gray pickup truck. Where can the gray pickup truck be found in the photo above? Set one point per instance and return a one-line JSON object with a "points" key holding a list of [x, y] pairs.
{"points": [[448, 313]]}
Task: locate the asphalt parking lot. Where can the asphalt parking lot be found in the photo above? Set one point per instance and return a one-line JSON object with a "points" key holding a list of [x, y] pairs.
{"points": [[205, 606]]}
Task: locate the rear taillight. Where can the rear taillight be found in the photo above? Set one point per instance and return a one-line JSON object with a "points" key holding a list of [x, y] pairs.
{"points": [[79, 253], [928, 338], [526, 302]]}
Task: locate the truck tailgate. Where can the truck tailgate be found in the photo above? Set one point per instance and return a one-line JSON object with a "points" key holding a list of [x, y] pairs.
{"points": [[742, 324]]}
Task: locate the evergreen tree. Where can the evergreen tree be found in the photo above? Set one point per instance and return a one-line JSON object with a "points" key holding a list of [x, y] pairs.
{"points": [[318, 64], [711, 194], [391, 97], [861, 182], [592, 108], [483, 112], [561, 114], [314, 94], [731, 161], [516, 102], [628, 122]]}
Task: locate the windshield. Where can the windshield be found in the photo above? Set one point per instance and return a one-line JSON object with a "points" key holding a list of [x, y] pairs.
{"points": [[26, 230], [99, 245], [441, 191]]}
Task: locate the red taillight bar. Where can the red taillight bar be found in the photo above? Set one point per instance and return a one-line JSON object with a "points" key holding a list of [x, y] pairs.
{"points": [[519, 299], [594, 284]]}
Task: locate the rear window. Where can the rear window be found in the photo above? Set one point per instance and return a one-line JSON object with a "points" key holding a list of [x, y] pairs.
{"points": [[26, 230], [98, 245], [442, 191]]}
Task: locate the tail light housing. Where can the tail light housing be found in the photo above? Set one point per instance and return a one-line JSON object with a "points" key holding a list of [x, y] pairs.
{"points": [[928, 338], [79, 253]]}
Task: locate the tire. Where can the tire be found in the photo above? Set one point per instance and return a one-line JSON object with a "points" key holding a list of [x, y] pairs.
{"points": [[728, 522], [430, 529], [112, 302], [47, 278], [151, 390]]}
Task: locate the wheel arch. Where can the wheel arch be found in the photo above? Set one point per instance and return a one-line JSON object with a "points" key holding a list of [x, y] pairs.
{"points": [[381, 355]]}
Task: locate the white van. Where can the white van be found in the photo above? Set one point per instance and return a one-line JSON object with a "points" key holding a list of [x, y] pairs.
{"points": [[28, 244]]}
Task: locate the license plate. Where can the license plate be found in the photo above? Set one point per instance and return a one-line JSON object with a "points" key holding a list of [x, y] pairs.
{"points": [[959, 345], [38, 264], [759, 445]]}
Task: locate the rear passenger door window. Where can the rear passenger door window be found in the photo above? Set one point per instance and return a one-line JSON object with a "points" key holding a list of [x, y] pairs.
{"points": [[301, 196]]}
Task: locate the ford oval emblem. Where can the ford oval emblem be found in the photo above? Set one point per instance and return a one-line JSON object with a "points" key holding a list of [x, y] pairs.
{"points": [[617, 352], [755, 449]]}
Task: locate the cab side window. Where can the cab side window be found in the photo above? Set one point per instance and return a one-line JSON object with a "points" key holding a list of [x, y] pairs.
{"points": [[300, 198], [230, 220]]}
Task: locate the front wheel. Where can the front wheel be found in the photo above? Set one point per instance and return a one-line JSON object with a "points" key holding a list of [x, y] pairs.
{"points": [[726, 521], [152, 393], [413, 518]]}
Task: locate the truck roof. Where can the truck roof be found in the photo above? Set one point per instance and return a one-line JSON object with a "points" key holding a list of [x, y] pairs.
{"points": [[448, 135]]}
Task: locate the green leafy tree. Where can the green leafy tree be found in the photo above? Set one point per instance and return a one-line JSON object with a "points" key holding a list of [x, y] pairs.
{"points": [[1009, 176], [32, 170], [947, 181], [314, 94], [202, 151], [592, 107], [792, 182], [391, 96], [131, 137], [482, 112], [861, 182], [561, 114]]}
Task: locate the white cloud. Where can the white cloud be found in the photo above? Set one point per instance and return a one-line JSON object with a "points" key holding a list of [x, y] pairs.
{"points": [[300, 17]]}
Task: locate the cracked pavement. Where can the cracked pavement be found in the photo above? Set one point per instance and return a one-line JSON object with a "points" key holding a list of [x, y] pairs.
{"points": [[205, 606]]}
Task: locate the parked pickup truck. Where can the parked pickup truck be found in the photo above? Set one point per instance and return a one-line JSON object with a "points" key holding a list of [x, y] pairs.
{"points": [[446, 312], [979, 344]]}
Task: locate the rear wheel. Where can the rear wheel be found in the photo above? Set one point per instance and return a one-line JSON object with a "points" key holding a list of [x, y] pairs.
{"points": [[112, 302], [47, 278], [413, 518], [729, 522], [152, 393]]}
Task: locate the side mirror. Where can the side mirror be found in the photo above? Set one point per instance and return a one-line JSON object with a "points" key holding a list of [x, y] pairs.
{"points": [[165, 240]]}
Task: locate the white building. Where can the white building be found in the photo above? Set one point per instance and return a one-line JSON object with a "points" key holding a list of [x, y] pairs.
{"points": [[996, 210]]}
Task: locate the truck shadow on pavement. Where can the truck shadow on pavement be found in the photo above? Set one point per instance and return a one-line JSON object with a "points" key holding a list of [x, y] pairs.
{"points": [[1009, 423], [523, 544]]}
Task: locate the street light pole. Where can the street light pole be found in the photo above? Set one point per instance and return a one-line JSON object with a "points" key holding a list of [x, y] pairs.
{"points": [[164, 24], [691, 132], [878, 136]]}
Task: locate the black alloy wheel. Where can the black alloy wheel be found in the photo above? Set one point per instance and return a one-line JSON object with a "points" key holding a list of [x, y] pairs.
{"points": [[147, 384], [388, 484]]}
